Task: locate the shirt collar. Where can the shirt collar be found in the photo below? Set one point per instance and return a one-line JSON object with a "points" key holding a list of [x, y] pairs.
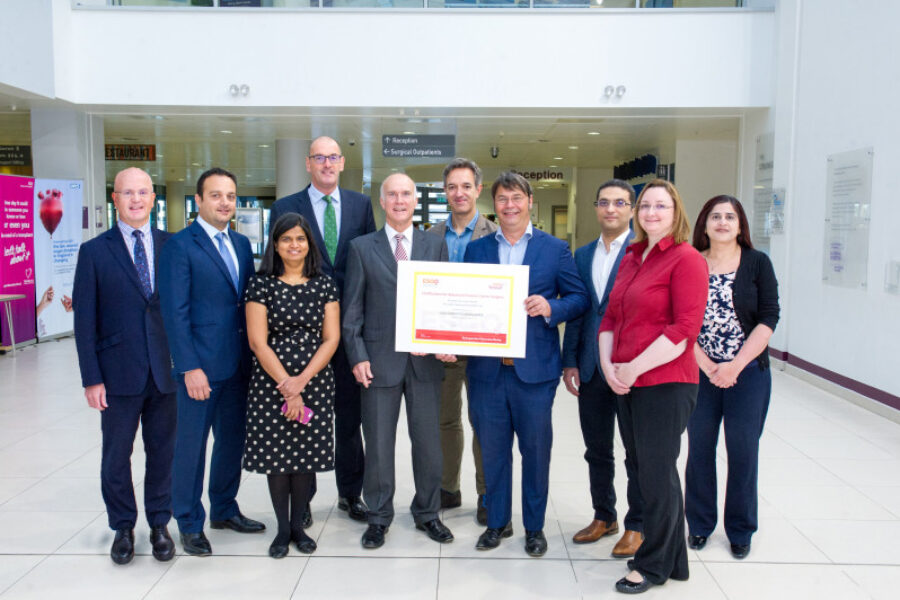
{"points": [[525, 236], [616, 243], [211, 231], [663, 245], [127, 229], [391, 232], [316, 196]]}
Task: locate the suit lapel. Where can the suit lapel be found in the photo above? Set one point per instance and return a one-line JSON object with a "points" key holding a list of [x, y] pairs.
{"points": [[587, 274], [418, 245], [615, 269], [533, 250], [383, 250], [120, 251], [204, 242], [306, 209]]}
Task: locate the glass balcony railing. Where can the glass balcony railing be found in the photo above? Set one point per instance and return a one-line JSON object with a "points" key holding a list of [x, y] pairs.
{"points": [[445, 4]]}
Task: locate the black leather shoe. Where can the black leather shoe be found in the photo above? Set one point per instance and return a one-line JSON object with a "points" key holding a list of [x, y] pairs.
{"points": [[436, 531], [279, 547], [195, 544], [697, 542], [306, 521], [304, 543], [535, 543], [239, 523], [450, 499], [122, 550], [481, 511], [374, 537], [740, 551], [629, 587], [490, 539], [163, 546], [353, 506]]}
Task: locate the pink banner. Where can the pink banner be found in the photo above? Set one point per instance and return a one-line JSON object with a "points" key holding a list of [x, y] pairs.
{"points": [[17, 254]]}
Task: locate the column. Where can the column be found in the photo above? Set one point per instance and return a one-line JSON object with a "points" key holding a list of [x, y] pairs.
{"points": [[175, 217], [290, 166]]}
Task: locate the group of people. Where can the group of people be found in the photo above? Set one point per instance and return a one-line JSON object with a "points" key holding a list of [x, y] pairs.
{"points": [[293, 365]]}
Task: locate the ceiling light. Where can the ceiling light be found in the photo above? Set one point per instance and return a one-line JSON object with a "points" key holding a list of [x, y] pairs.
{"points": [[224, 131], [195, 164], [557, 158], [263, 146], [573, 147], [160, 156], [551, 166], [593, 133], [409, 133]]}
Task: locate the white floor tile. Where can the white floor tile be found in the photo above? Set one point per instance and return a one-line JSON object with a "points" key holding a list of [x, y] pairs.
{"points": [[860, 472], [39, 532], [855, 542], [749, 581], [218, 577], [58, 493], [823, 502], [881, 583], [10, 487], [523, 579], [14, 567], [777, 541], [597, 579], [330, 578]]}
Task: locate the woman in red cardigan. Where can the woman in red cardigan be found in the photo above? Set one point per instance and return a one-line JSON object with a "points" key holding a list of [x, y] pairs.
{"points": [[646, 352]]}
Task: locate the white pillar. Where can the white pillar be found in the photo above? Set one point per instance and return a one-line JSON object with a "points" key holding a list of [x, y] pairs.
{"points": [[290, 166], [175, 217]]}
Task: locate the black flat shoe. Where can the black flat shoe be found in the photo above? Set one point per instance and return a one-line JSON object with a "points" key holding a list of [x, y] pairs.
{"points": [[490, 539], [481, 511], [304, 543], [630, 564], [451, 499], [353, 506], [239, 523], [279, 547], [436, 531], [122, 550], [697, 542], [163, 546], [629, 587], [740, 551], [195, 544], [535, 543], [374, 537]]}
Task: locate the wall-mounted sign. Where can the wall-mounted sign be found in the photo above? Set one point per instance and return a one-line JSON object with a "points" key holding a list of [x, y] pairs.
{"points": [[638, 167], [130, 152], [418, 146], [15, 156], [544, 175]]}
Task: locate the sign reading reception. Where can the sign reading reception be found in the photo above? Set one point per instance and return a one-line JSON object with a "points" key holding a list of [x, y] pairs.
{"points": [[17, 255], [57, 237], [461, 308]]}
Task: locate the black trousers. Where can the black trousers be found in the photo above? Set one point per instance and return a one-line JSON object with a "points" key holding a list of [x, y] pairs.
{"points": [[597, 410], [652, 420], [156, 413]]}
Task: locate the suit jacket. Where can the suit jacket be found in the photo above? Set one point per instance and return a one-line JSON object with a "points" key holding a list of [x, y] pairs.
{"points": [[370, 306], [580, 348], [482, 228], [551, 274], [203, 313], [119, 333], [356, 220]]}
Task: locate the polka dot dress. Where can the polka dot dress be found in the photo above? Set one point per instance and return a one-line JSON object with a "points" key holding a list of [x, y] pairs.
{"points": [[295, 315]]}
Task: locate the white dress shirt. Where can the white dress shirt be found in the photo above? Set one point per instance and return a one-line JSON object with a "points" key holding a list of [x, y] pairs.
{"points": [[604, 261], [407, 239], [212, 232]]}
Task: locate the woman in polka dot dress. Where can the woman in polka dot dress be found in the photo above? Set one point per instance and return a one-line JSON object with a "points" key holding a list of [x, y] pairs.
{"points": [[293, 325]]}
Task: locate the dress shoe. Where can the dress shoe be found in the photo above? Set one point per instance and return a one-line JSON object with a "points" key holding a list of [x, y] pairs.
{"points": [[122, 550], [451, 499], [740, 550], [595, 531], [697, 542], [306, 521], [535, 543], [490, 539], [436, 531], [195, 544], [239, 523], [481, 511], [374, 537], [304, 543], [628, 544], [353, 506], [630, 587], [163, 546], [279, 546]]}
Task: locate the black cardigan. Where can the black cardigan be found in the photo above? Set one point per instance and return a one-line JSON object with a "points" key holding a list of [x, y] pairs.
{"points": [[755, 296]]}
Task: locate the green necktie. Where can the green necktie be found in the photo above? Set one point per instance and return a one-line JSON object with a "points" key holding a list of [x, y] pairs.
{"points": [[330, 229]]}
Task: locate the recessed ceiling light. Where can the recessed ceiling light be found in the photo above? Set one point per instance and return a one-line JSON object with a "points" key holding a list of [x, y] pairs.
{"points": [[573, 147], [224, 131], [195, 164], [409, 133], [160, 156], [263, 146], [593, 133], [181, 179], [557, 158], [551, 167]]}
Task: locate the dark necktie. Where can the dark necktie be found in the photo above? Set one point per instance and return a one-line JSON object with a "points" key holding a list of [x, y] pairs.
{"points": [[140, 262], [330, 228], [226, 256], [399, 250]]}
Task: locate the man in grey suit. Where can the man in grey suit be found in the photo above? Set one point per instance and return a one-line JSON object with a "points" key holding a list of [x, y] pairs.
{"points": [[462, 185], [370, 299]]}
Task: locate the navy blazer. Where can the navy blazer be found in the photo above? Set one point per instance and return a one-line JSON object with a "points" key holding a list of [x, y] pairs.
{"points": [[552, 274], [580, 347], [119, 333], [356, 219], [202, 312]]}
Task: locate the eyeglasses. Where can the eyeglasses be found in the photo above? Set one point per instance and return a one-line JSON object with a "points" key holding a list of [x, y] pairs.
{"points": [[129, 194], [320, 159], [718, 217], [616, 203], [645, 207]]}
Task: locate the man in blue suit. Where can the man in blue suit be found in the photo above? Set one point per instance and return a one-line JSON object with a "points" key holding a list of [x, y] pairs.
{"points": [[340, 216], [202, 276], [598, 263], [515, 396], [124, 359]]}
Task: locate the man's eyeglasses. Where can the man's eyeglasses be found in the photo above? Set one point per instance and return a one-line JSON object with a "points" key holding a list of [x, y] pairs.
{"points": [[616, 203], [129, 194], [320, 159]]}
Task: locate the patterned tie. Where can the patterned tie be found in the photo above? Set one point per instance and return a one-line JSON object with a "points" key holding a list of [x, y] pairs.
{"points": [[140, 262], [399, 250], [226, 256], [330, 229]]}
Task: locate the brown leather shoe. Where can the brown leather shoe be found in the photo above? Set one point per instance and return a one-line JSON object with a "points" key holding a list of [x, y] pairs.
{"points": [[595, 531], [628, 545]]}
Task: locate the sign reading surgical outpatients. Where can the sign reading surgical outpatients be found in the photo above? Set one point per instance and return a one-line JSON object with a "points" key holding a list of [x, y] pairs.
{"points": [[57, 237], [418, 146], [17, 255]]}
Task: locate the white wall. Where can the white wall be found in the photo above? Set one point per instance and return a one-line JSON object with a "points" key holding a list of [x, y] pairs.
{"points": [[703, 169], [26, 45]]}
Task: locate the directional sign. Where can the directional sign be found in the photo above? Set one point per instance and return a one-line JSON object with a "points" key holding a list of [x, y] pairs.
{"points": [[418, 146]]}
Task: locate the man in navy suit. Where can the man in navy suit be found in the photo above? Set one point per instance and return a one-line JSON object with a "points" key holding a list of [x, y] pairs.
{"points": [[202, 276], [340, 216], [124, 359], [515, 396], [598, 263]]}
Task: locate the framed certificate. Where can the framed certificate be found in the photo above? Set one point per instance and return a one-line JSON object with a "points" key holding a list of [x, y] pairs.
{"points": [[461, 308]]}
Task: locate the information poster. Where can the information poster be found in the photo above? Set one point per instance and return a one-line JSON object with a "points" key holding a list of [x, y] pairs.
{"points": [[17, 255], [761, 228], [57, 236], [848, 205]]}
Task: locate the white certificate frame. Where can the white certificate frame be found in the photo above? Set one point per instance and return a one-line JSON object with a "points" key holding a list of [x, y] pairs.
{"points": [[434, 297]]}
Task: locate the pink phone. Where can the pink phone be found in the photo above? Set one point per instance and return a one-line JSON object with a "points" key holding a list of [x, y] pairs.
{"points": [[304, 416]]}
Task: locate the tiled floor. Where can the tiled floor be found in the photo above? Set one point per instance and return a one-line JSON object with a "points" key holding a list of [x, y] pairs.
{"points": [[829, 516]]}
